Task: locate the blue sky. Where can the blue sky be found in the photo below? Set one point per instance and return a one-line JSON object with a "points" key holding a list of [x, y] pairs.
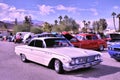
{"points": [[50, 10]]}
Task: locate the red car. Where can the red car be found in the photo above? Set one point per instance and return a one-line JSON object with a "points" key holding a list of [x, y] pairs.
{"points": [[87, 41]]}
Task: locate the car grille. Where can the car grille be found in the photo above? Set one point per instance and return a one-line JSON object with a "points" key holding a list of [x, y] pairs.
{"points": [[86, 59], [90, 59]]}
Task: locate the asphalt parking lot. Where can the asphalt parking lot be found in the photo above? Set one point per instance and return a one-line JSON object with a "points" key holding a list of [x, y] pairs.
{"points": [[11, 68]]}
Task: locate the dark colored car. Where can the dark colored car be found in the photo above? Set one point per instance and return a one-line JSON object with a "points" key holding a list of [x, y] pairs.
{"points": [[1, 37], [48, 35], [114, 51], [114, 39]]}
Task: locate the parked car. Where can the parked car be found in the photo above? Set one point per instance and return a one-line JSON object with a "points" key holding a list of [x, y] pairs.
{"points": [[48, 35], [58, 53], [19, 37], [114, 39], [87, 41], [114, 51], [1, 37], [27, 37]]}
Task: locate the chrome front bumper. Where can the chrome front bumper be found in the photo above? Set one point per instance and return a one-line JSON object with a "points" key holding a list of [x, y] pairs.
{"points": [[86, 65]]}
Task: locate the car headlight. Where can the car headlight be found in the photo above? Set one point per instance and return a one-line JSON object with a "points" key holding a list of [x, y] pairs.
{"points": [[110, 48], [74, 61], [97, 57]]}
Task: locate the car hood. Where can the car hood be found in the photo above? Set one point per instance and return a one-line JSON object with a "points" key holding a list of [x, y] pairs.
{"points": [[73, 52], [116, 46]]}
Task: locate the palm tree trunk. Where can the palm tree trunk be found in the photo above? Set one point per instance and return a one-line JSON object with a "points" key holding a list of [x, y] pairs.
{"points": [[119, 23], [114, 23]]}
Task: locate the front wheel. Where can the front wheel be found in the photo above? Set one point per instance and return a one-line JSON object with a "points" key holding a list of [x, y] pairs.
{"points": [[58, 67], [23, 58]]}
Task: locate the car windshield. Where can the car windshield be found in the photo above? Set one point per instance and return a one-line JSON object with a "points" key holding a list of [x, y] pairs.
{"points": [[57, 43]]}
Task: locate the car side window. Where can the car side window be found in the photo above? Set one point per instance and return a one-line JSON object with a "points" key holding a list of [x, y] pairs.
{"points": [[95, 37], [39, 43], [80, 38], [88, 37], [32, 43]]}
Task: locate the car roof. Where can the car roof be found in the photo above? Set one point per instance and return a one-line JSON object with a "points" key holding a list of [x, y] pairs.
{"points": [[85, 34], [42, 38]]}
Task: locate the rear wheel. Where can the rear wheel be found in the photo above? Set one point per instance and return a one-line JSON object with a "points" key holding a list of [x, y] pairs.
{"points": [[58, 67], [23, 58]]}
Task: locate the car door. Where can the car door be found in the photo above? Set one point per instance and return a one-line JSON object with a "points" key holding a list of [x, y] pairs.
{"points": [[81, 42], [87, 42], [29, 50], [38, 51], [94, 42]]}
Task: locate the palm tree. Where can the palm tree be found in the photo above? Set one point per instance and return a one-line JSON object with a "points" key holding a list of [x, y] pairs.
{"points": [[118, 16], [16, 22], [84, 22], [60, 17], [114, 14], [65, 17], [56, 22], [89, 24]]}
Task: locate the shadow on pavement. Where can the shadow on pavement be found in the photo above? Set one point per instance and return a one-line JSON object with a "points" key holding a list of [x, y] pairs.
{"points": [[95, 72]]}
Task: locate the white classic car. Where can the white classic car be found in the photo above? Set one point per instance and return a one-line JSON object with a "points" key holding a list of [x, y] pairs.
{"points": [[57, 53]]}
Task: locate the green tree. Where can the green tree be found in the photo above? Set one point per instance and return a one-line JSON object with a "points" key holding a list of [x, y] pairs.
{"points": [[67, 24], [86, 26], [36, 30], [102, 25], [114, 14], [96, 26], [70, 25], [5, 25], [16, 22], [27, 23], [56, 22], [99, 26], [47, 27], [84, 30], [66, 19], [84, 22], [60, 17]]}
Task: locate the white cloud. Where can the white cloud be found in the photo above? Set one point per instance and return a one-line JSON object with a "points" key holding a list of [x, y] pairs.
{"points": [[116, 7], [45, 10], [93, 10], [69, 9], [8, 12], [3, 6]]}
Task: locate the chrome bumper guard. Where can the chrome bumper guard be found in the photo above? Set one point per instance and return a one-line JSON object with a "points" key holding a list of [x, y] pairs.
{"points": [[86, 65]]}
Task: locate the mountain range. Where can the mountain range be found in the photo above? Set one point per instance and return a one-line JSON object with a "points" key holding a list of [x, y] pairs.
{"points": [[10, 24]]}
